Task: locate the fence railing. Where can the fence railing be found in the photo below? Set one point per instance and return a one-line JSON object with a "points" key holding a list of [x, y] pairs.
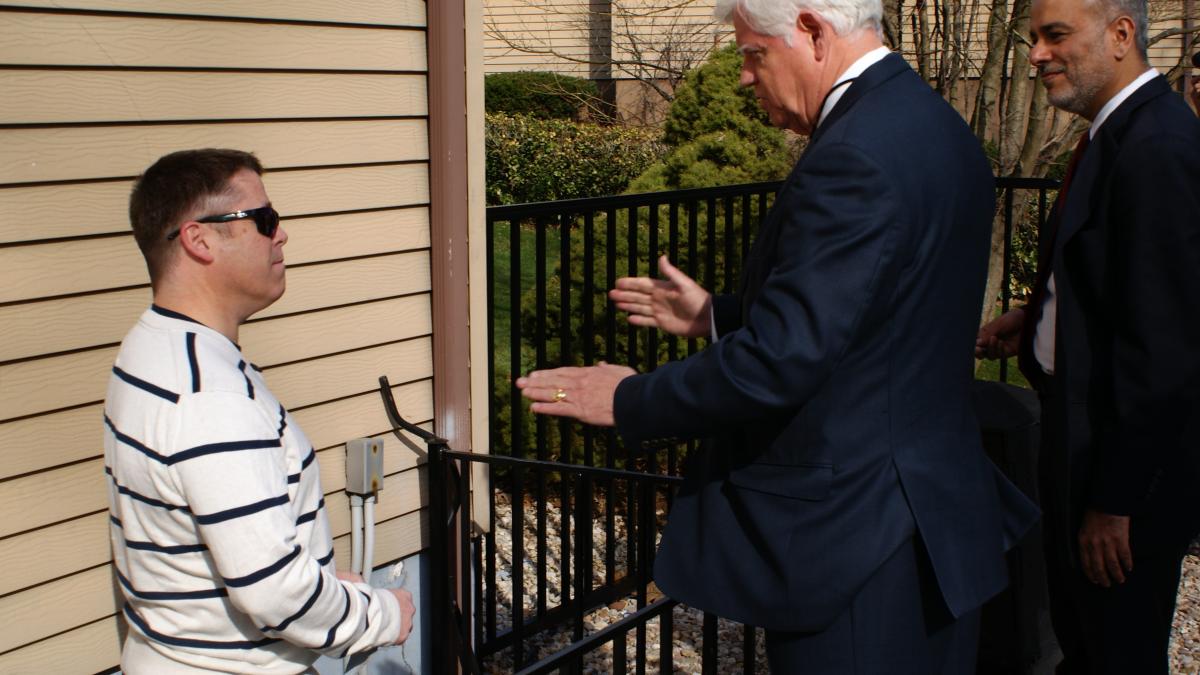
{"points": [[467, 600], [549, 268]]}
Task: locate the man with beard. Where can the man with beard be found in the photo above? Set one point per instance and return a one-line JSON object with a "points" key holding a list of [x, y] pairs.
{"points": [[1109, 341], [843, 501]]}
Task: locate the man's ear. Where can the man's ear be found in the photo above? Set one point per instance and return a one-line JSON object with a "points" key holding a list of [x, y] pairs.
{"points": [[817, 31], [197, 241], [1122, 33]]}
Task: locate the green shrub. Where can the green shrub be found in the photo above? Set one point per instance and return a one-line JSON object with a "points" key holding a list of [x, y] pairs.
{"points": [[533, 160], [718, 133], [540, 95]]}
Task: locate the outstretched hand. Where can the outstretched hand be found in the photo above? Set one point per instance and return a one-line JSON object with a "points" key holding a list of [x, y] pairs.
{"points": [[1001, 337], [675, 304], [583, 393]]}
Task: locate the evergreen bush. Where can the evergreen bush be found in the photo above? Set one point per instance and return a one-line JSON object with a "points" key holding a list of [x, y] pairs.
{"points": [[540, 95], [718, 133], [535, 160]]}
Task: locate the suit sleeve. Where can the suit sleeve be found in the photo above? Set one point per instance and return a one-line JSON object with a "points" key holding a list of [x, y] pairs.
{"points": [[840, 229], [727, 314], [1153, 305]]}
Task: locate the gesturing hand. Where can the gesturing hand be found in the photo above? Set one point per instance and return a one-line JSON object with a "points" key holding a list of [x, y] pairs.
{"points": [[676, 304], [1001, 337], [583, 393], [1104, 548]]}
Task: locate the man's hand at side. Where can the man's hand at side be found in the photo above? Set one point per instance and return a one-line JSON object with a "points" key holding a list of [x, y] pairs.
{"points": [[406, 613], [1104, 548], [407, 609], [583, 393], [676, 304], [1001, 337], [349, 576]]}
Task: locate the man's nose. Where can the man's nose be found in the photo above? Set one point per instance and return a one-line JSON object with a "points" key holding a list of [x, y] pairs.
{"points": [[1038, 53], [747, 78]]}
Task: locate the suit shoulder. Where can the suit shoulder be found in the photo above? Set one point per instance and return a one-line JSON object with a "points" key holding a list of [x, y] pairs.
{"points": [[1163, 120]]}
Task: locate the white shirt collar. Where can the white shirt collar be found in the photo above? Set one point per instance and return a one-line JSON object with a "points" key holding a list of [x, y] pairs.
{"points": [[865, 61], [1119, 99]]}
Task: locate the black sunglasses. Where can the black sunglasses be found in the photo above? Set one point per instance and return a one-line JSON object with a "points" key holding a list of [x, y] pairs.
{"points": [[266, 219]]}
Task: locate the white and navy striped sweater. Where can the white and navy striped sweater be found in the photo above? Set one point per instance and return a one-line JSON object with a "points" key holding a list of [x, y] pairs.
{"points": [[219, 533]]}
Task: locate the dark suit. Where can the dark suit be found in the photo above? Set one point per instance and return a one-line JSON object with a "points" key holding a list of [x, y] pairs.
{"points": [[838, 396], [1121, 413]]}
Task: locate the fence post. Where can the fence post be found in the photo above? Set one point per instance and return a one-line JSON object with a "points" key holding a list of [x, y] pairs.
{"points": [[439, 554]]}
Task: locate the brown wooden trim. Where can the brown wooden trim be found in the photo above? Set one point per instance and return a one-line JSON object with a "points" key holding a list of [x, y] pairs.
{"points": [[449, 221], [448, 183]]}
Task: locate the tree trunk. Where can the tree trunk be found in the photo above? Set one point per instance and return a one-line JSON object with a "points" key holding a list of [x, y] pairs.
{"points": [[993, 69], [1030, 159], [1020, 87], [1012, 135], [893, 35], [921, 28]]}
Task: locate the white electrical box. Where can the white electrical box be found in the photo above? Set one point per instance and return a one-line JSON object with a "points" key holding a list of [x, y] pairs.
{"points": [[364, 466]]}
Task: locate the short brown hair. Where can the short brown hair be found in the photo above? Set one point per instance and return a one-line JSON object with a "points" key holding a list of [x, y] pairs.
{"points": [[175, 186]]}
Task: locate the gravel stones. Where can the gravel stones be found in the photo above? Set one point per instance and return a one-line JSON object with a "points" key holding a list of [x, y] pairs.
{"points": [[687, 633], [1185, 636]]}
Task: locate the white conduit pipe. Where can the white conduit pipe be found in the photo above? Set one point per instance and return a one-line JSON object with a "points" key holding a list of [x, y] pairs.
{"points": [[356, 538], [368, 537]]}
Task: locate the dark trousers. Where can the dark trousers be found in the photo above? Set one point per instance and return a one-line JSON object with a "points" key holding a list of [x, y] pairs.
{"points": [[1121, 629], [897, 624], [1118, 630]]}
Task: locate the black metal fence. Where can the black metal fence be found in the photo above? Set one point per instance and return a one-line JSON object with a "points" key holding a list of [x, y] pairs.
{"points": [[551, 265], [549, 268]]}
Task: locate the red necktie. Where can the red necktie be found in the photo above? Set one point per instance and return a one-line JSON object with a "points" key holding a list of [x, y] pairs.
{"points": [[1026, 360]]}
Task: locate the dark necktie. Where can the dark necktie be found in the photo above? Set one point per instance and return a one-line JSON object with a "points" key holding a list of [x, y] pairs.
{"points": [[1026, 360]]}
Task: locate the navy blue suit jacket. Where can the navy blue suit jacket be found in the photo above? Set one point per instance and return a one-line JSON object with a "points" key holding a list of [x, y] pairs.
{"points": [[837, 398], [1125, 396]]}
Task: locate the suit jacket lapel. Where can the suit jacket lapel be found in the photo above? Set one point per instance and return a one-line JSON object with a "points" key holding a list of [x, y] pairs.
{"points": [[878, 73], [1077, 209], [754, 270]]}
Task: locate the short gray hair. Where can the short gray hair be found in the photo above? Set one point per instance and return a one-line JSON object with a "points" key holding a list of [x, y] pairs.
{"points": [[1136, 10], [778, 17]]}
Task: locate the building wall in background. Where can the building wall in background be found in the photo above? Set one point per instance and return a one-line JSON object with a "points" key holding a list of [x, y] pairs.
{"points": [[561, 35]]}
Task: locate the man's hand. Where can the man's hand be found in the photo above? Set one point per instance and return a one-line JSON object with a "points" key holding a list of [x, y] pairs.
{"points": [[1104, 548], [676, 305], [583, 393], [349, 576], [406, 613], [1001, 337]]}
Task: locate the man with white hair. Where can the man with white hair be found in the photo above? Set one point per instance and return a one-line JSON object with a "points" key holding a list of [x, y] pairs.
{"points": [[1109, 340], [844, 502]]}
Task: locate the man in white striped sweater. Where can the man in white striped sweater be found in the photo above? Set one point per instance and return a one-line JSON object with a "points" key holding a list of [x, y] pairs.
{"points": [[220, 538]]}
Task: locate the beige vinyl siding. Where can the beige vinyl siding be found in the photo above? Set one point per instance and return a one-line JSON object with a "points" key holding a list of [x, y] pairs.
{"points": [[547, 36], [554, 33], [332, 98]]}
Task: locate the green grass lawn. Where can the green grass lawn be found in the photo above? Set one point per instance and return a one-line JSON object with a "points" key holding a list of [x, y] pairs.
{"points": [[990, 370], [502, 308]]}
